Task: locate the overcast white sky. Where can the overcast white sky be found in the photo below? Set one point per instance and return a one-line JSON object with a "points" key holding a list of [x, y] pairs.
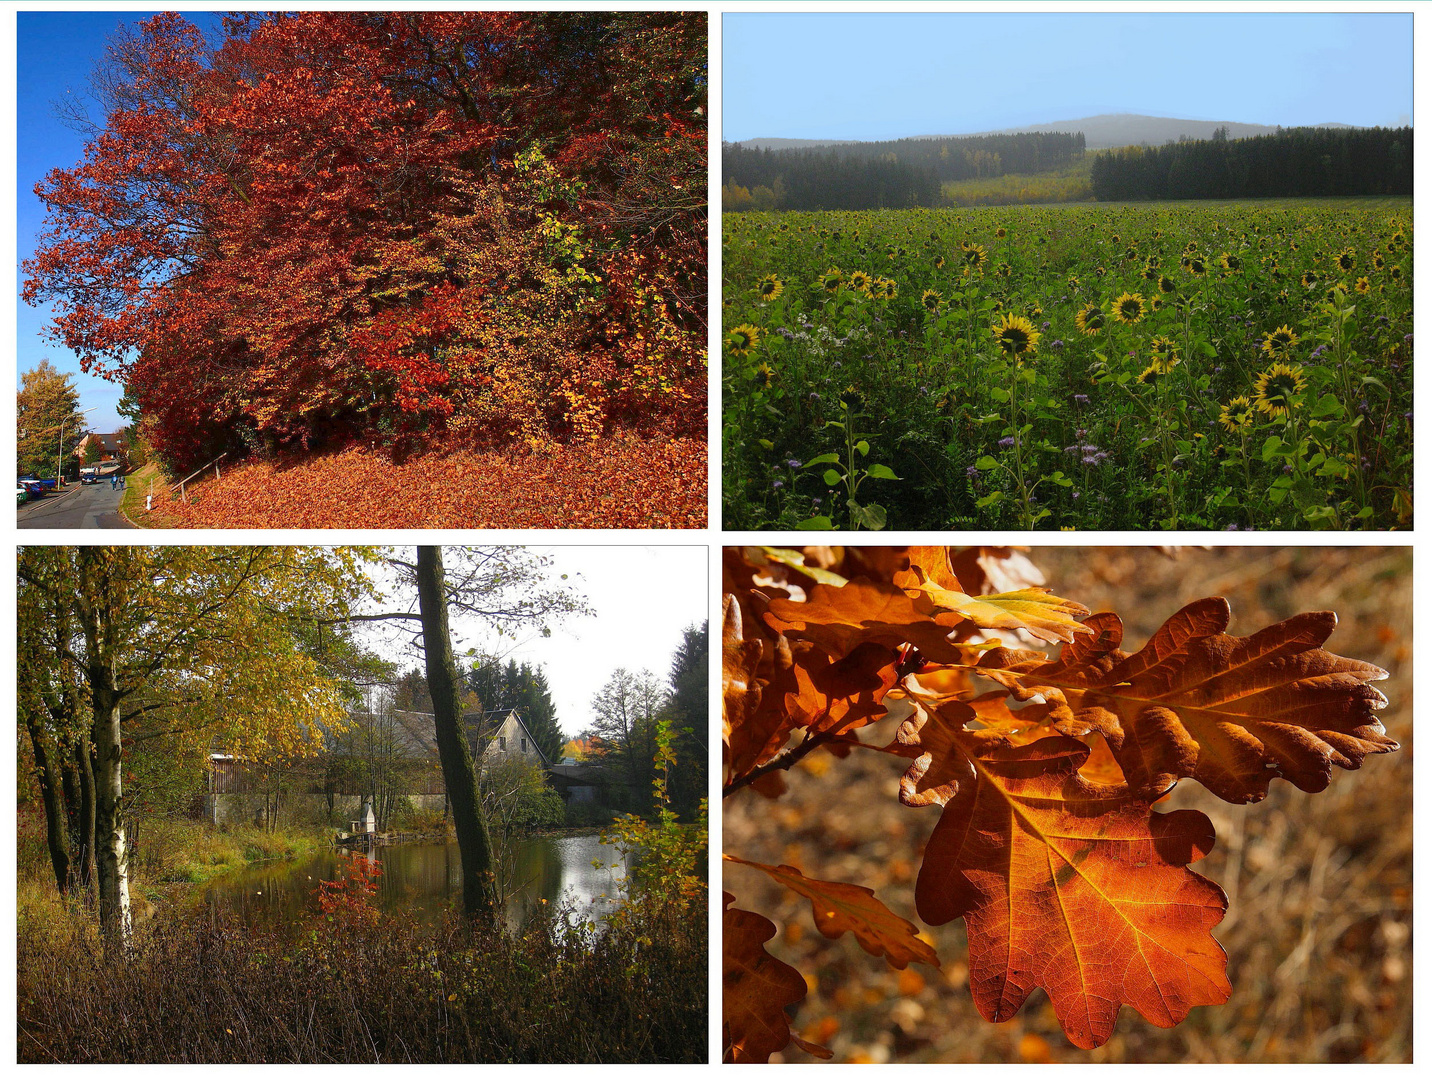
{"points": [[643, 597]]}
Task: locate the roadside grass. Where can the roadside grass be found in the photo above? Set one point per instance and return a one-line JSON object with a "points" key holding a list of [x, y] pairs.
{"points": [[620, 482]]}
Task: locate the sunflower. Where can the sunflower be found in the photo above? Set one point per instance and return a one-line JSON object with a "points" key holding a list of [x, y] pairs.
{"points": [[1166, 284], [831, 279], [1238, 413], [1378, 262], [860, 281], [852, 398], [743, 339], [770, 287], [1016, 335], [1163, 348], [939, 262], [975, 256], [1229, 262], [1279, 343], [1000, 232], [1150, 272], [930, 300], [886, 289], [764, 375], [1156, 303], [1090, 318], [1346, 259], [1309, 279], [1362, 285], [1129, 308], [1156, 370], [1073, 282], [1394, 272], [1277, 387], [1196, 266]]}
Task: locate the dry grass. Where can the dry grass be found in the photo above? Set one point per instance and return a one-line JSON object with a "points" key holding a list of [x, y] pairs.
{"points": [[1319, 926]]}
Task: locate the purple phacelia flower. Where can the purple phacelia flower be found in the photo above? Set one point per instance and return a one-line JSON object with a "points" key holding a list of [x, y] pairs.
{"points": [[1007, 442]]}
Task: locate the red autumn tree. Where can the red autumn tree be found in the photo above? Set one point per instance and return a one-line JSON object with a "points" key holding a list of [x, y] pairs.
{"points": [[337, 224]]}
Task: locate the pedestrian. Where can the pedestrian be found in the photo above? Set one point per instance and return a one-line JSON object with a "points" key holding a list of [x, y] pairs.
{"points": [[112, 484]]}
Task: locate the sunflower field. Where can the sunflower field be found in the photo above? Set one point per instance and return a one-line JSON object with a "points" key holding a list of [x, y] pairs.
{"points": [[1165, 365]]}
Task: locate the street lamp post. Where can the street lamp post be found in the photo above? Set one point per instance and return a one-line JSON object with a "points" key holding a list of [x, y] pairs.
{"points": [[60, 451]]}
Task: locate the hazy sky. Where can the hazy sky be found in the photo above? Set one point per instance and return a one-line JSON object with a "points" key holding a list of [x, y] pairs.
{"points": [[882, 76], [644, 597]]}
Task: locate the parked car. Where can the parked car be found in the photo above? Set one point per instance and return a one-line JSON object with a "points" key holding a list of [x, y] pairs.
{"points": [[89, 476], [35, 486], [22, 494]]}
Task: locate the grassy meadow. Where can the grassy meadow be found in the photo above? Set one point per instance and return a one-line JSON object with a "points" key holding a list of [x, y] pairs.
{"points": [[1210, 365]]}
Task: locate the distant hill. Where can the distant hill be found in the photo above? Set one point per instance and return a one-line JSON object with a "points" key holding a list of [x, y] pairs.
{"points": [[1100, 132]]}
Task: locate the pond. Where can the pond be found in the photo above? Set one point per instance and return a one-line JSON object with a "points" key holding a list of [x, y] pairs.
{"points": [[425, 881]]}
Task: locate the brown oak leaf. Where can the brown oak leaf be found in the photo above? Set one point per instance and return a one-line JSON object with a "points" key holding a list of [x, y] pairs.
{"points": [[1233, 713], [755, 989]]}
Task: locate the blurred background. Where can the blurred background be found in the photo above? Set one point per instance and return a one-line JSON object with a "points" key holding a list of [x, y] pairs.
{"points": [[1319, 926]]}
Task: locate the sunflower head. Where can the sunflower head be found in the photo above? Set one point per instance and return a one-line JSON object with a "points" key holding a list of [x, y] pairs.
{"points": [[1309, 279], [1277, 389], [1197, 266], [930, 300], [764, 375], [769, 287], [1166, 284], [1000, 232], [1346, 259], [743, 339], [1230, 262], [974, 255], [860, 281], [1394, 272], [1073, 282], [939, 262], [1156, 370], [1378, 262], [831, 279], [852, 399], [886, 289], [1015, 335], [1163, 348], [1279, 343], [1237, 414], [1362, 285], [1090, 319], [1129, 308]]}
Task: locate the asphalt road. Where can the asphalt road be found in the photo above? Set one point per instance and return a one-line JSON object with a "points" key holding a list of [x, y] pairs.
{"points": [[79, 506]]}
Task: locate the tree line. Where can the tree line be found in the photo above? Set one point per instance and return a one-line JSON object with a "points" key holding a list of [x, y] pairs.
{"points": [[896, 174], [1296, 162]]}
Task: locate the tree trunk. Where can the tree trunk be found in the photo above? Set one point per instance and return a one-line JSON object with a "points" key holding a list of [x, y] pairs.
{"points": [[84, 849], [48, 773], [459, 774], [96, 598]]}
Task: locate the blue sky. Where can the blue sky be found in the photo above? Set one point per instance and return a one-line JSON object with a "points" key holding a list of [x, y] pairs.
{"points": [[56, 54], [882, 76]]}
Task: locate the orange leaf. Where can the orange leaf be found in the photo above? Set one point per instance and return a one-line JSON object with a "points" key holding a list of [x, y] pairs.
{"points": [[838, 907], [1075, 887]]}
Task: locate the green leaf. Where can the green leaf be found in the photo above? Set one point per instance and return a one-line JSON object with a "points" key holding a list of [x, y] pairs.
{"points": [[1327, 405], [823, 459], [766, 444], [831, 478], [872, 516], [820, 522], [881, 472], [999, 393], [986, 463], [991, 499], [862, 447]]}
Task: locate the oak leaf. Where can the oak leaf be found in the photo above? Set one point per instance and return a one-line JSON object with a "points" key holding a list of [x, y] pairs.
{"points": [[837, 907], [1230, 712], [1076, 887], [755, 989]]}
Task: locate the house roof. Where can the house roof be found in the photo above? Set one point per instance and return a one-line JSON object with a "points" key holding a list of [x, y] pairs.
{"points": [[421, 733]]}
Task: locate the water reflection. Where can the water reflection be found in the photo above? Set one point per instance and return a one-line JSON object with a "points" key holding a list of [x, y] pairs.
{"points": [[425, 881]]}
